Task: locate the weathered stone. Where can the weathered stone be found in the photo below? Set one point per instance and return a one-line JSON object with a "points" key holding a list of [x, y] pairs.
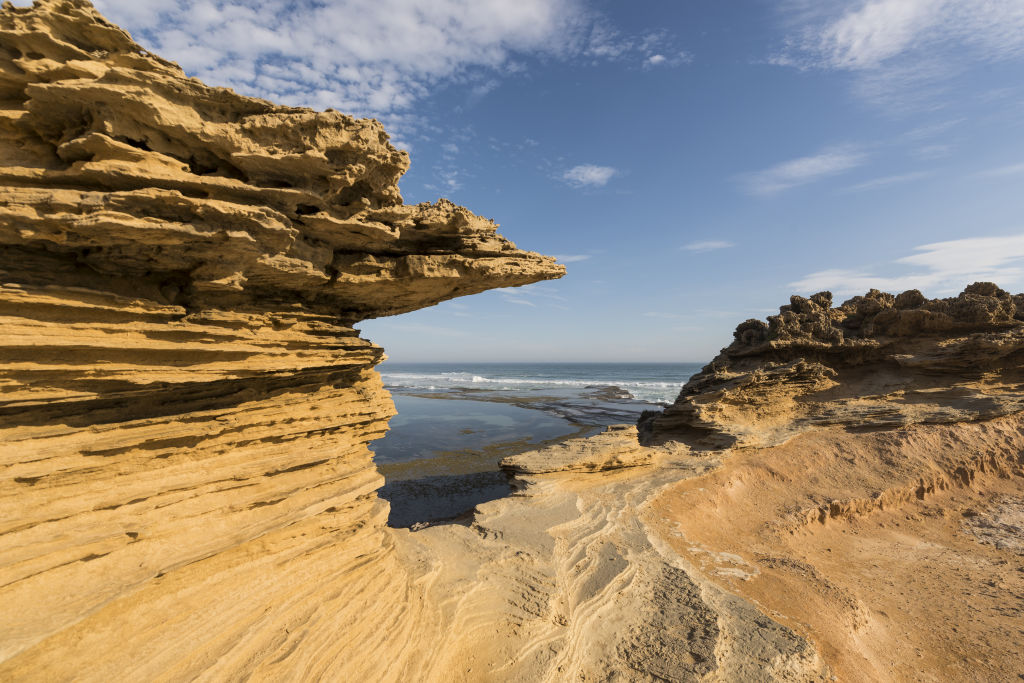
{"points": [[613, 449], [876, 360], [186, 488]]}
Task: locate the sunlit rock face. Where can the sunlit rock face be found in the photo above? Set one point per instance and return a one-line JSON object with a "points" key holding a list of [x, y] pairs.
{"points": [[185, 486], [877, 360]]}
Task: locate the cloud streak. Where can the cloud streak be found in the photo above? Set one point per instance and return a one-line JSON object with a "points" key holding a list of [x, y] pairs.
{"points": [[369, 57], [1003, 171], [901, 50], [940, 267], [707, 245], [572, 258], [889, 181], [802, 171]]}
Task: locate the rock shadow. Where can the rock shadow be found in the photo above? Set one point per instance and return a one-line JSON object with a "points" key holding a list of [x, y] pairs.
{"points": [[439, 498]]}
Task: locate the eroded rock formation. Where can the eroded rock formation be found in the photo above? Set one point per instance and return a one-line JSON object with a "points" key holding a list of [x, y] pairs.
{"points": [[186, 488], [877, 360], [186, 492], [868, 465]]}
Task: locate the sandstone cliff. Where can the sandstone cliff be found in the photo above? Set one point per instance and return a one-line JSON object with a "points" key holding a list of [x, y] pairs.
{"points": [[186, 488], [186, 492], [877, 360]]}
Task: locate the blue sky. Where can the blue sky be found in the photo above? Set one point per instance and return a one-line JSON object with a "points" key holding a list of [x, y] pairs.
{"points": [[692, 163]]}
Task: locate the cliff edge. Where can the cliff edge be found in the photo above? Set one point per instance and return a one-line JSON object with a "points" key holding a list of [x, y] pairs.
{"points": [[186, 487]]}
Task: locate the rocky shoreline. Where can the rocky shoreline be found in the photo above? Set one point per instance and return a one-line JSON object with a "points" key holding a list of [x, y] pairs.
{"points": [[187, 488]]}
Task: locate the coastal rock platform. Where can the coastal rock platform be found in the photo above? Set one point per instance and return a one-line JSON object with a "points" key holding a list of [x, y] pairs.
{"points": [[186, 491]]}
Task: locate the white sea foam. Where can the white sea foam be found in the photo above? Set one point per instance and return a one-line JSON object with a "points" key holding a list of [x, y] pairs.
{"points": [[655, 392]]}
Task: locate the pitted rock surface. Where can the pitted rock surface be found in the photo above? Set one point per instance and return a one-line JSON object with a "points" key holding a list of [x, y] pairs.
{"points": [[876, 360], [185, 486]]}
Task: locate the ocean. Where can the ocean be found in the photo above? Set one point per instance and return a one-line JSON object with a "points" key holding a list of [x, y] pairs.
{"points": [[456, 421], [650, 382]]}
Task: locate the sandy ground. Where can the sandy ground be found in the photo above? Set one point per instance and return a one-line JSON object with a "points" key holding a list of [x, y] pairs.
{"points": [[898, 554]]}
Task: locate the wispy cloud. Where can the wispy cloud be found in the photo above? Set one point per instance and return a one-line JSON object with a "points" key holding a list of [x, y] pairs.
{"points": [[370, 57], [588, 175], [537, 294], [933, 152], [447, 180], [888, 181], [707, 245], [940, 268], [803, 171], [436, 330], [1013, 169], [901, 49], [933, 130], [518, 300], [572, 258]]}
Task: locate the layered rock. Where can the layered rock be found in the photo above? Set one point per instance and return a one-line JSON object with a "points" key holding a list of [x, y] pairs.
{"points": [[616, 447], [186, 488], [875, 361]]}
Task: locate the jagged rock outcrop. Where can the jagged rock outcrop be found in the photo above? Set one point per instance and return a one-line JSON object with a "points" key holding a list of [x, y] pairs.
{"points": [[185, 487], [876, 360]]}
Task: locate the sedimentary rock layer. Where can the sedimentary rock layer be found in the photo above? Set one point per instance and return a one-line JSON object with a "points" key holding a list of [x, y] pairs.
{"points": [[185, 487], [891, 550], [875, 361], [705, 556]]}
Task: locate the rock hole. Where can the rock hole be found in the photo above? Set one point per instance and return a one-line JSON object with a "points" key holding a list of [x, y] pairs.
{"points": [[137, 144], [93, 556], [295, 468]]}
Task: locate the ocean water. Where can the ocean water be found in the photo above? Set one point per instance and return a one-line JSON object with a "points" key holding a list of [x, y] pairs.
{"points": [[649, 382], [456, 422], [427, 427]]}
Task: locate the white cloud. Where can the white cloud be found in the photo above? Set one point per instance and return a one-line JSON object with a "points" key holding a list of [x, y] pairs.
{"points": [[367, 57], [540, 293], [573, 258], [870, 33], [1002, 171], [888, 181], [518, 300], [940, 268], [708, 245], [588, 175], [446, 180], [802, 171], [676, 59], [902, 50]]}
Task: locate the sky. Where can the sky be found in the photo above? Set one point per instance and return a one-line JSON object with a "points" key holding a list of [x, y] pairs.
{"points": [[693, 163]]}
